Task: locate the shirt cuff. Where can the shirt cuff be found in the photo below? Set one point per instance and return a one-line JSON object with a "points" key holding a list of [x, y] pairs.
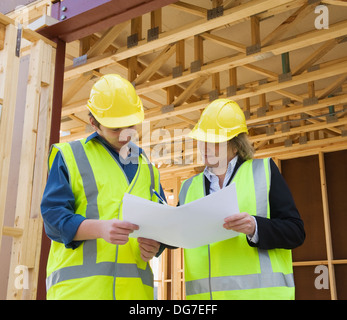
{"points": [[70, 229], [255, 238]]}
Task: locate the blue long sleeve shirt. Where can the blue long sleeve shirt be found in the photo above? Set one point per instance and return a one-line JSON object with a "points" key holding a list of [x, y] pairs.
{"points": [[58, 202]]}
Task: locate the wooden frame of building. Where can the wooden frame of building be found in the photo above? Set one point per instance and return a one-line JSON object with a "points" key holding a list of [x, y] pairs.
{"points": [[277, 59]]}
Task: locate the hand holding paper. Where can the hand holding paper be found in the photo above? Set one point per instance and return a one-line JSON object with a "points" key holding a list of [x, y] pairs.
{"points": [[241, 222], [188, 226]]}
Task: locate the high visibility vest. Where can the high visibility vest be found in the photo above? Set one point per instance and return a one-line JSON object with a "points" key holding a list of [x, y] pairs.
{"points": [[232, 269], [97, 269]]}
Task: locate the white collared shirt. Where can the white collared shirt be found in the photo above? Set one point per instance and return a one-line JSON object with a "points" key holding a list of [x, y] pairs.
{"points": [[214, 187], [214, 180]]}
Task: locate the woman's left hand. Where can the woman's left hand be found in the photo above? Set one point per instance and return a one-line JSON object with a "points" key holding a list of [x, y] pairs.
{"points": [[240, 222]]}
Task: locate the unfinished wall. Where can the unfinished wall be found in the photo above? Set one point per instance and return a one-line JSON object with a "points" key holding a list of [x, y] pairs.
{"points": [[5, 252], [323, 208], [27, 63]]}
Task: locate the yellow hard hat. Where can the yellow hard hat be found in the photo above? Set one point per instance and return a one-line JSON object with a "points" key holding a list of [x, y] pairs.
{"points": [[114, 102], [221, 121]]}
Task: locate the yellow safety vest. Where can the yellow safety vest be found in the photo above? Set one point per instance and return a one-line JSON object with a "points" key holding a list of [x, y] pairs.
{"points": [[98, 269], [232, 269]]}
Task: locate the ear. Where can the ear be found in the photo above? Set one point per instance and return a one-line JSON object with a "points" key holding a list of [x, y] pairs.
{"points": [[93, 124]]}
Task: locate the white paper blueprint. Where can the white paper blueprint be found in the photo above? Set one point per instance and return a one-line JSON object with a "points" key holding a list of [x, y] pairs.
{"points": [[188, 226]]}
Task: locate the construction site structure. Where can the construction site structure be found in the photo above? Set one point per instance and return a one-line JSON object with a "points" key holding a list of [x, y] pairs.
{"points": [[283, 61]]}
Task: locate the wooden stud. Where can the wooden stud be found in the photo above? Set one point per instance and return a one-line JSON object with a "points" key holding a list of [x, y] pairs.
{"points": [[327, 227], [156, 19], [255, 30], [2, 36], [9, 68], [136, 27], [26, 247], [27, 163], [180, 54], [198, 49]]}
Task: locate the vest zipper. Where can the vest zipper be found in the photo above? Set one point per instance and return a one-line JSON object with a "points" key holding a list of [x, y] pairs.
{"points": [[209, 272], [134, 182], [209, 248]]}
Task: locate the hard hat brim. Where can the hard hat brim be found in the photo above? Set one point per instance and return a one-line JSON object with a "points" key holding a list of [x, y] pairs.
{"points": [[121, 122], [212, 136]]}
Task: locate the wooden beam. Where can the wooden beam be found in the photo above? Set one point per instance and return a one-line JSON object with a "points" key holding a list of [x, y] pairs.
{"points": [[298, 42], [332, 87], [289, 23], [76, 86], [197, 27], [9, 66], [156, 63], [264, 88], [315, 56], [296, 80], [12, 231], [231, 15], [189, 91], [79, 106], [280, 152], [298, 130], [190, 8], [270, 74], [336, 2], [302, 150], [106, 39], [327, 227], [224, 42], [323, 103]]}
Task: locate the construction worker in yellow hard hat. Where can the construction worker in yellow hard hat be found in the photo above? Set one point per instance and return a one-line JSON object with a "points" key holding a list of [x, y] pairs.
{"points": [[92, 256], [114, 102], [221, 121], [256, 264]]}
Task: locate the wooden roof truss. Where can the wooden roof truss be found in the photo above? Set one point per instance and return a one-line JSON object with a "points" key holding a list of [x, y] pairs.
{"points": [[288, 76]]}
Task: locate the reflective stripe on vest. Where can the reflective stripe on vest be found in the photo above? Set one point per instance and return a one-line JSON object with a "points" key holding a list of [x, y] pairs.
{"points": [[90, 267], [267, 278]]}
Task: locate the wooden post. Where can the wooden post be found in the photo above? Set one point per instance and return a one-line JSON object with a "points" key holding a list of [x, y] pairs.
{"points": [[32, 170], [9, 68], [26, 230], [327, 228]]}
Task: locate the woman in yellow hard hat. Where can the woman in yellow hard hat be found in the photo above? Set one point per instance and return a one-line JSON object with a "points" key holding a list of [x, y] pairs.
{"points": [[256, 264], [92, 256]]}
